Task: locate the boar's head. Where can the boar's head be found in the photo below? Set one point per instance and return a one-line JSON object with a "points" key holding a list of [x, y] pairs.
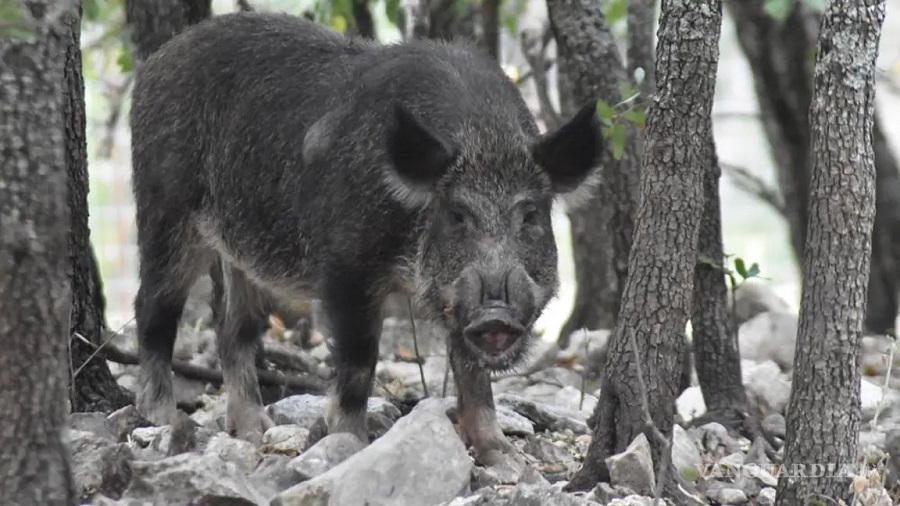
{"points": [[487, 259]]}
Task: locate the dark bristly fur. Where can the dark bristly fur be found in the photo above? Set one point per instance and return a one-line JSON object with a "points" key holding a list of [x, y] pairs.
{"points": [[313, 163]]}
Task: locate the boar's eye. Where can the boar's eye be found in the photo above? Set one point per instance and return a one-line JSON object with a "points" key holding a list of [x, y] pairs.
{"points": [[530, 216], [457, 217]]}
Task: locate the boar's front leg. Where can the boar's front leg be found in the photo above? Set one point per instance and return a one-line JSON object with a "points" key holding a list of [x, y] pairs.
{"points": [[476, 413], [241, 323], [354, 316]]}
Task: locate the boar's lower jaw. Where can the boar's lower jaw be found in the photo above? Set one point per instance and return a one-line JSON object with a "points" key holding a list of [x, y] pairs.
{"points": [[491, 357]]}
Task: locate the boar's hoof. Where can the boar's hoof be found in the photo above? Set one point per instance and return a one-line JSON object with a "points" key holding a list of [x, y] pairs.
{"points": [[158, 413], [499, 452], [248, 424]]}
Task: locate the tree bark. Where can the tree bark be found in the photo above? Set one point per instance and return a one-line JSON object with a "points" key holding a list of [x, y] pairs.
{"points": [[34, 285], [593, 68], [656, 302], [716, 355], [824, 410], [94, 388], [153, 22], [779, 56], [490, 27], [641, 53]]}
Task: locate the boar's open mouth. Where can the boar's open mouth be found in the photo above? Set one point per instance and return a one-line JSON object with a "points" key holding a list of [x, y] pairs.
{"points": [[495, 336]]}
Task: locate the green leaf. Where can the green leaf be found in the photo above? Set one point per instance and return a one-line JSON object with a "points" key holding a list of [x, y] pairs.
{"points": [[636, 116], [605, 112], [618, 140], [126, 64], [778, 9], [616, 11], [690, 475], [816, 5], [391, 10], [753, 271], [740, 267]]}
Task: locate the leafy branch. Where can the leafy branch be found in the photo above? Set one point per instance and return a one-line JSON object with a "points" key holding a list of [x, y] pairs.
{"points": [[628, 110]]}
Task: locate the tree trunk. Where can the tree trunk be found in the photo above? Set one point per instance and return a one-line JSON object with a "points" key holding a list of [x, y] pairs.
{"points": [[779, 56], [34, 285], [592, 66], [153, 22], [641, 53], [94, 388], [824, 410], [363, 23], [657, 299], [716, 355], [490, 27]]}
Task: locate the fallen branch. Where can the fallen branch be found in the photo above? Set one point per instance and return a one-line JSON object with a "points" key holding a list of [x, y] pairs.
{"points": [[292, 384]]}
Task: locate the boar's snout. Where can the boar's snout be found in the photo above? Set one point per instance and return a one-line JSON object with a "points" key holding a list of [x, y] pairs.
{"points": [[495, 310]]}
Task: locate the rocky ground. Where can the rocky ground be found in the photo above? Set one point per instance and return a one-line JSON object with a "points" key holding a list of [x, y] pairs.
{"points": [[415, 456]]}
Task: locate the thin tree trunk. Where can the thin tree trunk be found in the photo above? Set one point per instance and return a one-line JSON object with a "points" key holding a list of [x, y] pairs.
{"points": [[363, 23], [824, 410], [716, 355], [592, 66], [656, 302], [94, 388], [641, 53], [490, 22], [34, 285], [153, 22], [779, 56]]}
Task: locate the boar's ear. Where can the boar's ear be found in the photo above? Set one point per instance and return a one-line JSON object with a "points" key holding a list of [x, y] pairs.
{"points": [[419, 157], [572, 152]]}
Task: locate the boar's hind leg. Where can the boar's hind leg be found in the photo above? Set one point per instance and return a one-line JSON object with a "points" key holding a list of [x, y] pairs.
{"points": [[476, 413], [169, 264], [241, 323], [355, 321]]}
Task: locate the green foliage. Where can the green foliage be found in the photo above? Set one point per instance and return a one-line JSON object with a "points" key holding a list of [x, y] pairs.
{"points": [[690, 475], [614, 117], [510, 17], [13, 20], [615, 11], [392, 11], [780, 9]]}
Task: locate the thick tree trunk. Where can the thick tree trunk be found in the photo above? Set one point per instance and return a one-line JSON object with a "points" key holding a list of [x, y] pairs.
{"points": [[94, 388], [592, 66], [779, 56], [824, 411], [34, 285], [656, 302]]}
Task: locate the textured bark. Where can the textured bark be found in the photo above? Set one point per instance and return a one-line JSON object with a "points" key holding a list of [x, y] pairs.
{"points": [[34, 285], [779, 57], [592, 66], [656, 302], [641, 20], [716, 355], [490, 26], [153, 22], [363, 23], [94, 388], [824, 411]]}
